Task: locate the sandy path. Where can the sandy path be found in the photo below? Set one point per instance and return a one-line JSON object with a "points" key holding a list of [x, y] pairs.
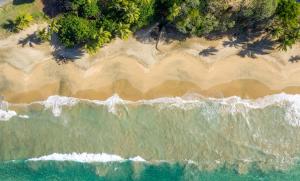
{"points": [[135, 70]]}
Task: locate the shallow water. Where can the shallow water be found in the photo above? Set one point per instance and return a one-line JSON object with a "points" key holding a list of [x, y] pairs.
{"points": [[51, 170], [180, 138]]}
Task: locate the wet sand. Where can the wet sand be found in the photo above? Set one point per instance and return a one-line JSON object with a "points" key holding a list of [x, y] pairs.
{"points": [[136, 70], [243, 88]]}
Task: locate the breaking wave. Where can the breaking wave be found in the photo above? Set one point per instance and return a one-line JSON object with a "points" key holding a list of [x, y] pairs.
{"points": [[234, 104], [86, 158]]}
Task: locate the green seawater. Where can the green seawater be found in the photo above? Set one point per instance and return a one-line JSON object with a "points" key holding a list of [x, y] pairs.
{"points": [[203, 139], [129, 171]]}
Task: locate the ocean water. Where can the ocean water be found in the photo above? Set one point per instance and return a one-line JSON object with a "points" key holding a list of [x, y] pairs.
{"points": [[189, 138]]}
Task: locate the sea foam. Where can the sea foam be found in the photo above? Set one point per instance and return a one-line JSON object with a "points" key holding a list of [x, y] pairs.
{"points": [[112, 102], [24, 116], [7, 115], [86, 158], [57, 102], [233, 104]]}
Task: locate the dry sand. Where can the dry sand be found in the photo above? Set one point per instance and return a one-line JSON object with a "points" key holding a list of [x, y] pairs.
{"points": [[136, 70]]}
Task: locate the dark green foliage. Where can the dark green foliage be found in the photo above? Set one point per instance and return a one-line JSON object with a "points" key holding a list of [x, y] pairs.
{"points": [[125, 11], [74, 30], [264, 9], [288, 10], [286, 26], [94, 23], [201, 17], [89, 9], [97, 40], [147, 10]]}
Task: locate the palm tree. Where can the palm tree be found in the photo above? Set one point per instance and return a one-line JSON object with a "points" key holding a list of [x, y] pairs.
{"points": [[132, 13], [123, 31], [99, 39], [289, 38], [43, 35], [53, 27], [128, 10], [22, 21], [286, 25], [173, 12], [103, 37]]}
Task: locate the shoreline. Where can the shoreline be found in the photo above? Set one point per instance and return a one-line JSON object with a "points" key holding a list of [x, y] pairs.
{"points": [[252, 90], [136, 70]]}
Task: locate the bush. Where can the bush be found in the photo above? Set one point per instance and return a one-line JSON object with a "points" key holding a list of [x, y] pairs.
{"points": [[74, 30], [89, 9]]}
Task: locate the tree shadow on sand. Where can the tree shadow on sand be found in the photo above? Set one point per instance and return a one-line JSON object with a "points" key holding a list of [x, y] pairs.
{"points": [[9, 25], [235, 42], [63, 55], [250, 43], [259, 47], [294, 59], [208, 51], [30, 40]]}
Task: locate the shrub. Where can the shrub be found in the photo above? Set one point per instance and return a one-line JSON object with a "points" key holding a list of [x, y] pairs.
{"points": [[74, 30]]}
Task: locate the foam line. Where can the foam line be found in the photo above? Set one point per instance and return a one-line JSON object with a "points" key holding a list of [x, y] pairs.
{"points": [[86, 158]]}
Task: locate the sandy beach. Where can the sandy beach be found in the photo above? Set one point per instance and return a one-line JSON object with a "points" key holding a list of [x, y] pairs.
{"points": [[136, 70]]}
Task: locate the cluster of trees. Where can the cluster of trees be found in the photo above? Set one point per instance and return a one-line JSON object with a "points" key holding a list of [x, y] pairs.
{"points": [[93, 23], [201, 17], [279, 18]]}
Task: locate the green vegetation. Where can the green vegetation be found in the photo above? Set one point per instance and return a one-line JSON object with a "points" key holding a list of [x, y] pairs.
{"points": [[21, 22], [93, 23], [74, 30], [201, 17], [9, 13], [43, 35], [286, 27]]}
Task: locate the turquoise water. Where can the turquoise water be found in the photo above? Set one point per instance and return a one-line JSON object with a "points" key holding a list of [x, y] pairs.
{"points": [[50, 170], [174, 139]]}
